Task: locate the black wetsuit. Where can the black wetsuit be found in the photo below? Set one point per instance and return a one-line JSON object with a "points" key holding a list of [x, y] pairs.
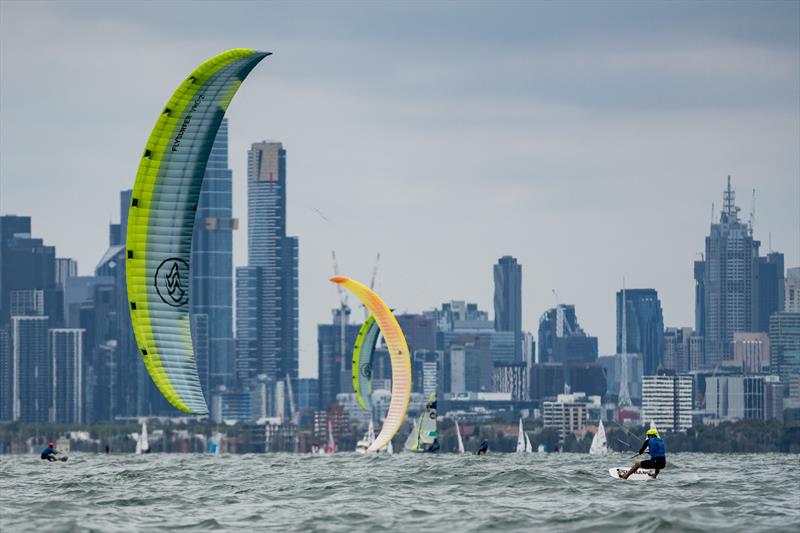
{"points": [[484, 448]]}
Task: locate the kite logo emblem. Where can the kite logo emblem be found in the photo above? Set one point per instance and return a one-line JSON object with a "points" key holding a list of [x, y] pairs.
{"points": [[171, 279], [366, 370]]}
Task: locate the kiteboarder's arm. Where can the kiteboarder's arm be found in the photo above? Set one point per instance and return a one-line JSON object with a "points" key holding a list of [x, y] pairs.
{"points": [[644, 446]]}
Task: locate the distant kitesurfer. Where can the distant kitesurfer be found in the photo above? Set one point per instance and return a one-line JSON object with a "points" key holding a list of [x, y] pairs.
{"points": [[658, 455], [484, 448], [49, 453]]}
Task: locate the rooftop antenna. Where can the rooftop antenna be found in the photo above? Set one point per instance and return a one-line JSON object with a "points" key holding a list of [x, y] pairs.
{"points": [[770, 242], [712, 212], [752, 221], [729, 204]]}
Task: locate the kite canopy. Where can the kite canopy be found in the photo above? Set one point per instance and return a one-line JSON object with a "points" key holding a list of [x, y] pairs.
{"points": [[161, 223], [363, 352], [398, 354]]}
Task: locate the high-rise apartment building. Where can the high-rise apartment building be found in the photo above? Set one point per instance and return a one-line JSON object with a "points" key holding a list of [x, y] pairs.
{"points": [[211, 277], [667, 401], [644, 326], [508, 300], [31, 369], [68, 375], [275, 256]]}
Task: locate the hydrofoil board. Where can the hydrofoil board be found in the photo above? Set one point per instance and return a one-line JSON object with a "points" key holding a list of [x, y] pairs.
{"points": [[639, 475]]}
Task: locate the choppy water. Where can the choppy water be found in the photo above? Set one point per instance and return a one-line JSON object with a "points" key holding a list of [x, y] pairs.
{"points": [[349, 492]]}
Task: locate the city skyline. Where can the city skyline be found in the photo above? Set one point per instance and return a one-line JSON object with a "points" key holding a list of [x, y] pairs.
{"points": [[575, 227]]}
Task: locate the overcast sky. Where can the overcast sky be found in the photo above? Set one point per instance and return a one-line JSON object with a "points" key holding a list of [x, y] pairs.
{"points": [[588, 140]]}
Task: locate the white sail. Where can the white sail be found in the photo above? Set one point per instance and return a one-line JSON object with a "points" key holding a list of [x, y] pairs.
{"points": [[460, 441], [331, 445], [363, 445], [528, 445], [389, 448], [143, 443], [599, 442], [412, 442], [520, 439], [427, 423], [653, 425], [145, 439]]}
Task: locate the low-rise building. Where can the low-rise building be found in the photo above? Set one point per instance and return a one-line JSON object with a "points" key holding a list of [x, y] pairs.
{"points": [[567, 414]]}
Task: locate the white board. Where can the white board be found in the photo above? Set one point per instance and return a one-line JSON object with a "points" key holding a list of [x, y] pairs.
{"points": [[639, 475]]}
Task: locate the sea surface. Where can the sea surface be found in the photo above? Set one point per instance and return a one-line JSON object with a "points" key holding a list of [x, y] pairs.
{"points": [[348, 492]]}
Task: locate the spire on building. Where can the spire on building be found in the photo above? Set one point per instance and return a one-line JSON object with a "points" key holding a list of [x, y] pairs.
{"points": [[730, 213]]}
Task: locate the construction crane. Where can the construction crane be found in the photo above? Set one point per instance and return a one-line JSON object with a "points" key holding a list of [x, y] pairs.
{"points": [[344, 311], [372, 282]]}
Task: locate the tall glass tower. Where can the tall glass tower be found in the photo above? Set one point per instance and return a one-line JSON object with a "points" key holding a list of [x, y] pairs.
{"points": [[212, 270], [508, 300], [644, 327], [729, 277], [272, 265]]}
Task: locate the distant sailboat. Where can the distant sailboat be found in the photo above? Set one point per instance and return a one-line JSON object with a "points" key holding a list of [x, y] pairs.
{"points": [[331, 445], [520, 438], [528, 445], [599, 442], [143, 443], [460, 441], [389, 449], [369, 438], [653, 425], [424, 435]]}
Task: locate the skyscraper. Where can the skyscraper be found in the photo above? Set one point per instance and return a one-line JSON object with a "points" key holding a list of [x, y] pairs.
{"points": [[31, 369], [729, 282], [275, 256], [68, 377], [683, 350], [784, 344], [644, 327], [212, 269], [562, 340], [25, 262], [508, 300], [791, 290], [333, 367], [770, 290]]}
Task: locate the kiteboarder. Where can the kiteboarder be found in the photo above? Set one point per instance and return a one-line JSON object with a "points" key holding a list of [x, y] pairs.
{"points": [[434, 447], [49, 453], [484, 448], [658, 455]]}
